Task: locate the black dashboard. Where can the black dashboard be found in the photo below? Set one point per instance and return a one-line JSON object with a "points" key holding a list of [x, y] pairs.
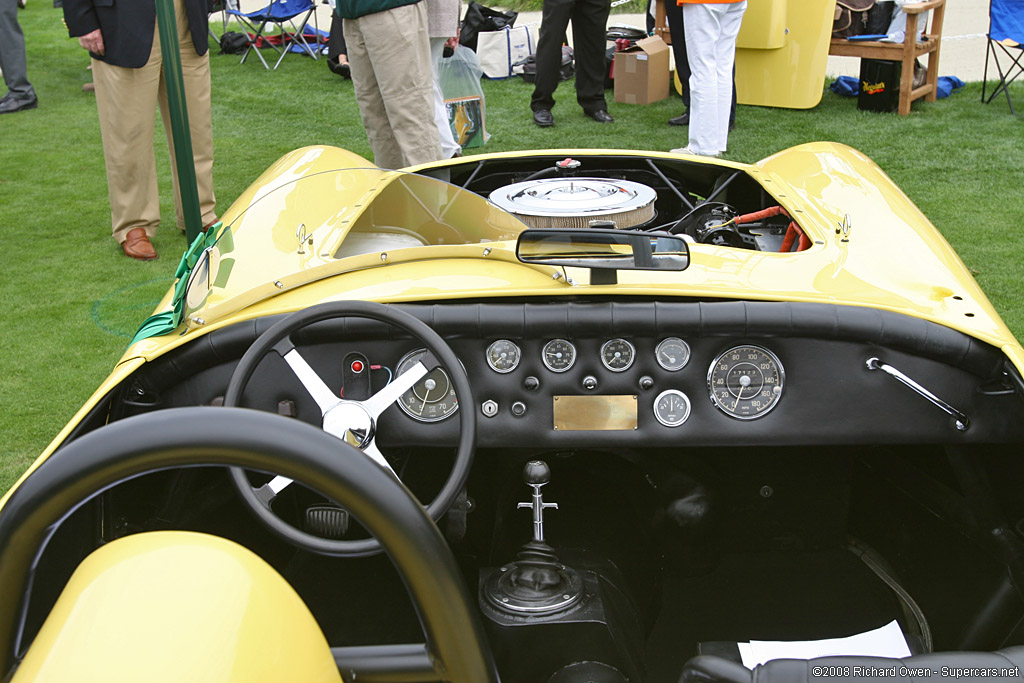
{"points": [[631, 374]]}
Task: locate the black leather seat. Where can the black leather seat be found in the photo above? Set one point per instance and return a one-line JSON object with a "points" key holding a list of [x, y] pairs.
{"points": [[1004, 665]]}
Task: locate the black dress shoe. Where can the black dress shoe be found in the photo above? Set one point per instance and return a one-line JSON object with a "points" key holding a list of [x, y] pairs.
{"points": [[601, 116], [681, 120], [11, 103], [543, 118]]}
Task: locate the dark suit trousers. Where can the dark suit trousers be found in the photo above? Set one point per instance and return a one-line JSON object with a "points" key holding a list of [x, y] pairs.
{"points": [[589, 25]]}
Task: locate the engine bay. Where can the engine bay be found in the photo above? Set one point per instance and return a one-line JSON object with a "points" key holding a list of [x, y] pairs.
{"points": [[709, 204]]}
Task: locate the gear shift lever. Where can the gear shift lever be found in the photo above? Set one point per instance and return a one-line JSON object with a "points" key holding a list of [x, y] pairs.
{"points": [[537, 474], [535, 582]]}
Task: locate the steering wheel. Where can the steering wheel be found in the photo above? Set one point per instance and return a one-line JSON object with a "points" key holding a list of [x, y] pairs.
{"points": [[190, 437], [353, 422]]}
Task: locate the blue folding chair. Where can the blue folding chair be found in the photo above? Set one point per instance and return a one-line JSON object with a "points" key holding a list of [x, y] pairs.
{"points": [[1006, 43], [290, 18]]}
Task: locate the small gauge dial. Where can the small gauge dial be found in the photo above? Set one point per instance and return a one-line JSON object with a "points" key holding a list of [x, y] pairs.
{"points": [[672, 354], [617, 354], [559, 355], [746, 382], [433, 397], [672, 408], [503, 356]]}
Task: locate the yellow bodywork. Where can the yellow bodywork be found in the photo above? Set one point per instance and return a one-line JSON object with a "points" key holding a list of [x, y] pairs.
{"points": [[284, 250], [782, 52], [871, 247], [174, 607]]}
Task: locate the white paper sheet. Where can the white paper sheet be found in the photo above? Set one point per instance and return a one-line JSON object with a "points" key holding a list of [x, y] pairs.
{"points": [[887, 641]]}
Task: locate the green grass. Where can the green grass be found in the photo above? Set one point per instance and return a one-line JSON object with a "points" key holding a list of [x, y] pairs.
{"points": [[71, 300]]}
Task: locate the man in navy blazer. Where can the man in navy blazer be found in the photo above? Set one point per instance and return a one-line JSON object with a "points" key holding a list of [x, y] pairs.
{"points": [[121, 37]]}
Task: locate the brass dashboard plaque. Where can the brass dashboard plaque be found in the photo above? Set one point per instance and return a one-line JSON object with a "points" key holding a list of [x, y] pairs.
{"points": [[594, 413]]}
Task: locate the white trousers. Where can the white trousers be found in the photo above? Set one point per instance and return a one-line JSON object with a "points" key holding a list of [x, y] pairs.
{"points": [[449, 147], [711, 31]]}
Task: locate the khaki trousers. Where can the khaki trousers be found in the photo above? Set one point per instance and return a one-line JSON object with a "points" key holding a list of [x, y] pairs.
{"points": [[127, 100], [394, 84]]}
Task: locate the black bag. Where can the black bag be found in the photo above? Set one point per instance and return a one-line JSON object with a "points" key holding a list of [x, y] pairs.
{"points": [[851, 18], [233, 43], [527, 68], [479, 18], [880, 16]]}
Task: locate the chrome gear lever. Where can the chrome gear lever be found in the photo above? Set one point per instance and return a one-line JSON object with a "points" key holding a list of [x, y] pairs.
{"points": [[536, 582], [536, 474]]}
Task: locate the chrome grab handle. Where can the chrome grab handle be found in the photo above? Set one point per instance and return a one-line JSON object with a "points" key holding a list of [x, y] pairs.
{"points": [[962, 421]]}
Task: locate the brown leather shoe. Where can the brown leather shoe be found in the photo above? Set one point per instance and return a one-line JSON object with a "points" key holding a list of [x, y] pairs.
{"points": [[136, 245]]}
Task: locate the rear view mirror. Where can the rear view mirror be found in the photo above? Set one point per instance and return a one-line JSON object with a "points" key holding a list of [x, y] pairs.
{"points": [[603, 249]]}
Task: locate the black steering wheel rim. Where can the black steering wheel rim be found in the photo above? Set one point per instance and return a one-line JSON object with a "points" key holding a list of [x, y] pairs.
{"points": [[422, 333], [235, 437]]}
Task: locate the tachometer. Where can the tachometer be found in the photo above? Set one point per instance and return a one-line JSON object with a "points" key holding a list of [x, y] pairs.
{"points": [[617, 354], [503, 356], [746, 382], [559, 355], [433, 397]]}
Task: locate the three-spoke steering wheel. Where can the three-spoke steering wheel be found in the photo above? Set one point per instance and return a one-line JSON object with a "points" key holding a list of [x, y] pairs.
{"points": [[354, 422]]}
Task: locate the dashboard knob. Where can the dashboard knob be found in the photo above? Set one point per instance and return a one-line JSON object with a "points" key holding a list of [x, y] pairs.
{"points": [[589, 382], [519, 409], [646, 382], [531, 383]]}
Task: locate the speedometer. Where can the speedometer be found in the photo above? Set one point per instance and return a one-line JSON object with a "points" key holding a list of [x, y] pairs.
{"points": [[746, 382], [433, 397]]}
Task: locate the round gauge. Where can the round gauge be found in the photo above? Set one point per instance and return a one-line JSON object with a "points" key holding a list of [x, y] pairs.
{"points": [[672, 354], [503, 356], [746, 382], [672, 408], [559, 355], [617, 354], [433, 397]]}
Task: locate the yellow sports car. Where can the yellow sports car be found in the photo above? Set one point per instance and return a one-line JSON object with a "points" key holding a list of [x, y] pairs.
{"points": [[559, 416]]}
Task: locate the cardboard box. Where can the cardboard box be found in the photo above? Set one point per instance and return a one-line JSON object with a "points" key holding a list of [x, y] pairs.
{"points": [[641, 72]]}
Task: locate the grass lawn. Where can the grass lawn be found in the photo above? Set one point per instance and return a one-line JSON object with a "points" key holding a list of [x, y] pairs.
{"points": [[71, 300]]}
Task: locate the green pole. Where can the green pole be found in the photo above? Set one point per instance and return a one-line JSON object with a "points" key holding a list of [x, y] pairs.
{"points": [[178, 114]]}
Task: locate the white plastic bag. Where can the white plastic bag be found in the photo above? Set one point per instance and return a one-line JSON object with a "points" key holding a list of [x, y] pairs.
{"points": [[499, 50], [459, 76]]}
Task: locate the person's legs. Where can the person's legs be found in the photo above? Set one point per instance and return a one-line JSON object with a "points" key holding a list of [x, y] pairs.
{"points": [[12, 53], [126, 102], [725, 59], [386, 152], [398, 55], [674, 16], [554, 21], [589, 25], [701, 23]]}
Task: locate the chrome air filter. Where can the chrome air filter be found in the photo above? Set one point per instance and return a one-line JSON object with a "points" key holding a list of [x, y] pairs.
{"points": [[575, 202]]}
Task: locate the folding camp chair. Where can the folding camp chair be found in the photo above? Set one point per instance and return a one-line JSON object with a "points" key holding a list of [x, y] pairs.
{"points": [[290, 17], [1005, 38]]}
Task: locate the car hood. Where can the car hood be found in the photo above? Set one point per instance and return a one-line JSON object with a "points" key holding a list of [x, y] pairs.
{"points": [[324, 224]]}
